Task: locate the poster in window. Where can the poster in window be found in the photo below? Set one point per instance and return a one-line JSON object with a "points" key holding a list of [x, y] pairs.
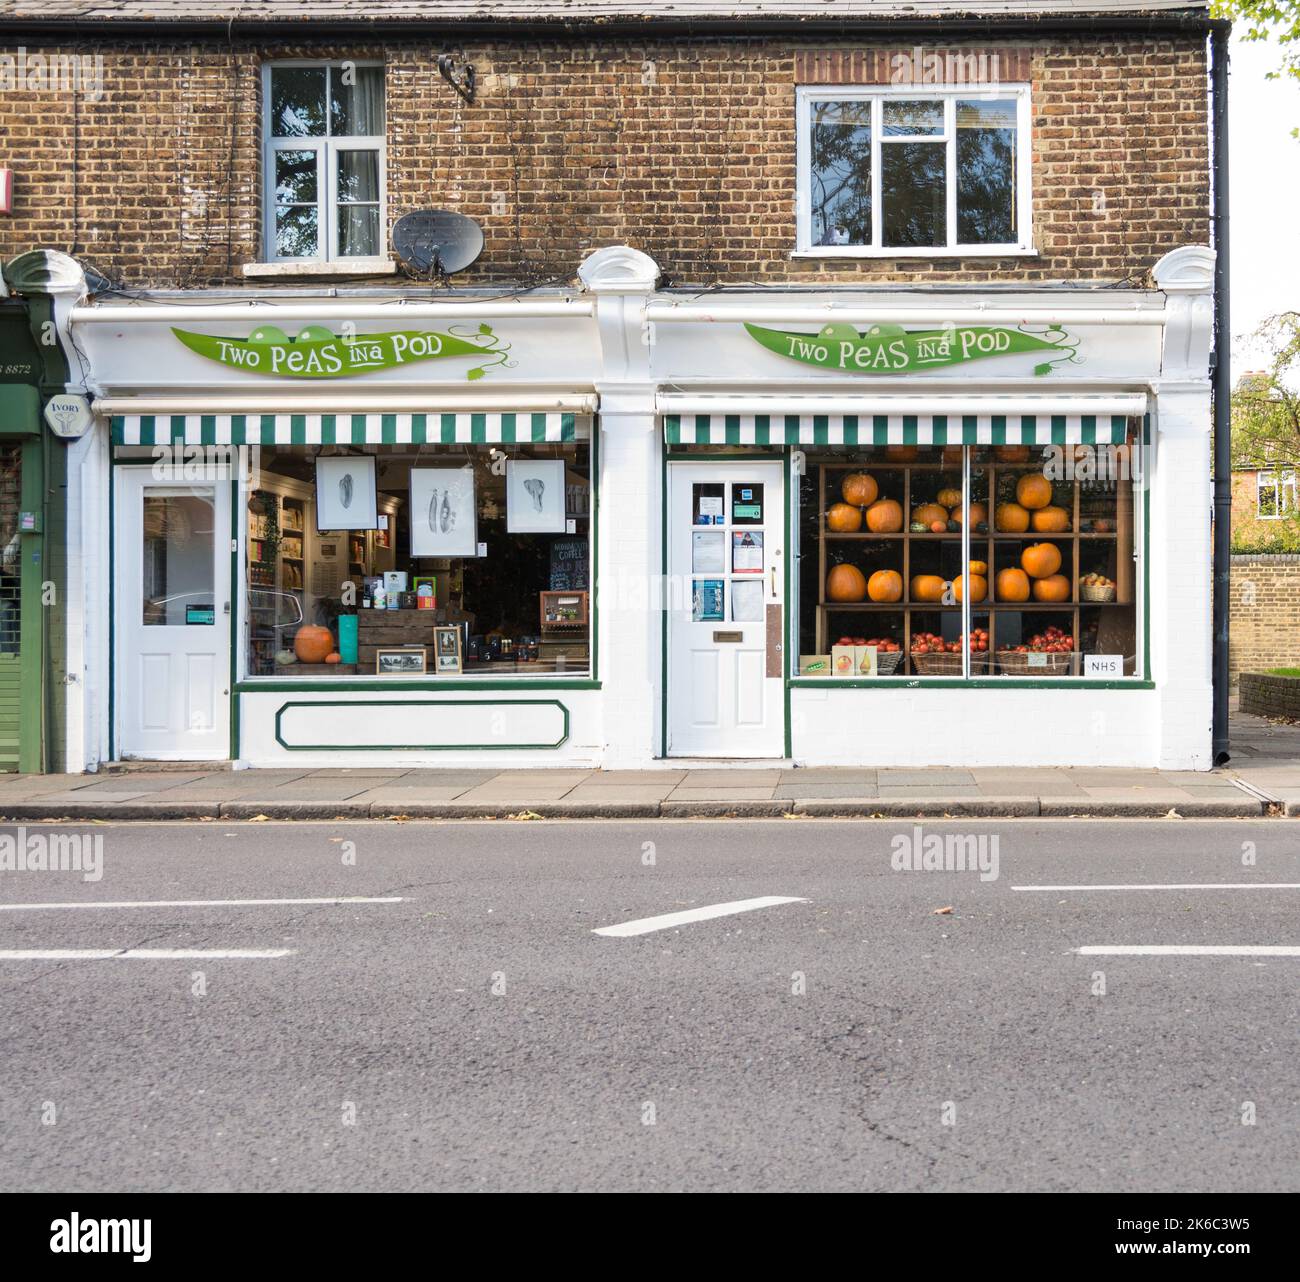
{"points": [[707, 552], [747, 552], [706, 601], [345, 492], [747, 601], [535, 496], [444, 515]]}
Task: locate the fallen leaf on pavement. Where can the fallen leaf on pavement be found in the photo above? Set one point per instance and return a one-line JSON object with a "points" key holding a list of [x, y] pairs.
{"points": [[942, 912]]}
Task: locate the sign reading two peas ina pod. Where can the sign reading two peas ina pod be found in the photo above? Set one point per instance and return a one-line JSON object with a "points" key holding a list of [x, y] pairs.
{"points": [[891, 349], [316, 352]]}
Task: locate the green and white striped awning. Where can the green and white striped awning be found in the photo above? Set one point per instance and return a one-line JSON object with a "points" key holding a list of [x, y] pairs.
{"points": [[896, 429], [348, 429]]}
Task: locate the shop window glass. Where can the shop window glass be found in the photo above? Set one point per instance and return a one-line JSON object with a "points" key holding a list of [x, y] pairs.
{"points": [[1050, 575], [176, 562], [413, 597]]}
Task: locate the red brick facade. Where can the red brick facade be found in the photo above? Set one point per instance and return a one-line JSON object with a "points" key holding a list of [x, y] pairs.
{"points": [[684, 148]]}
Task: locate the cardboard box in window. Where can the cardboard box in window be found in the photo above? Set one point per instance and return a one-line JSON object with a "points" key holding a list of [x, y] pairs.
{"points": [[844, 661]]}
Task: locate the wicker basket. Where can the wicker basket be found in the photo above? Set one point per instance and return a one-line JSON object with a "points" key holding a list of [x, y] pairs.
{"points": [[1015, 663], [1096, 592], [887, 664], [947, 665]]}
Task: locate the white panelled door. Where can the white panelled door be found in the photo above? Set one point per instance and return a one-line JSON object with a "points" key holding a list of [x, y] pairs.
{"points": [[726, 626], [172, 596]]}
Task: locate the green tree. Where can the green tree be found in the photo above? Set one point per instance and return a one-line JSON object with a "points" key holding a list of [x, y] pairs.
{"points": [[1277, 20]]}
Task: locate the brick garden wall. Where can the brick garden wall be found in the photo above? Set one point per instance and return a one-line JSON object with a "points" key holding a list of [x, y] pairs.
{"points": [[684, 148], [1265, 614], [1270, 696]]}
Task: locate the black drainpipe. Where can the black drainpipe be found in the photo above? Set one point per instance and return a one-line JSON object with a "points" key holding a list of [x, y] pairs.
{"points": [[1221, 382]]}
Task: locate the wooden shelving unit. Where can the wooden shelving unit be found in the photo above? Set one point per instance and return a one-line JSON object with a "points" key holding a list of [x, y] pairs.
{"points": [[914, 483]]}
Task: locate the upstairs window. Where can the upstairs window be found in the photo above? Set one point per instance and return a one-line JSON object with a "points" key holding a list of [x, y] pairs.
{"points": [[1276, 493], [900, 172], [324, 161]]}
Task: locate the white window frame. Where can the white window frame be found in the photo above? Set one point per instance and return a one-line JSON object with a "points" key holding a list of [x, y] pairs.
{"points": [[326, 148], [876, 94], [1282, 481]]}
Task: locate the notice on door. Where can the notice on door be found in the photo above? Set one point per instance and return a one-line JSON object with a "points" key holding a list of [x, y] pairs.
{"points": [[746, 552]]}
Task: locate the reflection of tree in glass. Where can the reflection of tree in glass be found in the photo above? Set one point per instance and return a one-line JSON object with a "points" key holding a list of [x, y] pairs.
{"points": [[841, 173], [913, 194], [986, 186]]}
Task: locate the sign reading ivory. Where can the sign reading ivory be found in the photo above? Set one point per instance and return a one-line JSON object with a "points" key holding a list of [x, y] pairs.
{"points": [[890, 349], [315, 352]]}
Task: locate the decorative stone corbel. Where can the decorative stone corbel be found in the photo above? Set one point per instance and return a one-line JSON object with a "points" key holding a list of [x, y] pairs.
{"points": [[1186, 276], [621, 278], [53, 284]]}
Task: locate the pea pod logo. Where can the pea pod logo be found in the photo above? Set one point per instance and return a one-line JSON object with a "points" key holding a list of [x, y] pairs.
{"points": [[890, 349], [315, 352]]}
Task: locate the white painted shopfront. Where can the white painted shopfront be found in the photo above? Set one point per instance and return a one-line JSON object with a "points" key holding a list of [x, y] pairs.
{"points": [[700, 442]]}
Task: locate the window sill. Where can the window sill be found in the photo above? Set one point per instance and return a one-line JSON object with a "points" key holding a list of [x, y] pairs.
{"points": [[423, 685], [346, 267], [973, 683], [868, 251]]}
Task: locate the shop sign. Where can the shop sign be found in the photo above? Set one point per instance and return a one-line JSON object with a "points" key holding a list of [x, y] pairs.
{"points": [[891, 349], [316, 352]]}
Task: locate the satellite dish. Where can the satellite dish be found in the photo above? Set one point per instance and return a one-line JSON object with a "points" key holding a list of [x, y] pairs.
{"points": [[437, 241]]}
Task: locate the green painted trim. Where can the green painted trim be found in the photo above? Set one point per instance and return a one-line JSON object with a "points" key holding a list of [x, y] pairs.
{"points": [[31, 627], [785, 606], [664, 458], [708, 456], [419, 747], [593, 539], [20, 410], [1146, 546], [232, 589], [307, 685], [112, 604], [960, 683]]}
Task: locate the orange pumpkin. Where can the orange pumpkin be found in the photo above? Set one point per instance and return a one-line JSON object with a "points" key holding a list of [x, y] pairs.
{"points": [[979, 567], [1012, 585], [1033, 490], [978, 513], [929, 513], [901, 453], [846, 583], [311, 644], [885, 516], [336, 657], [948, 498], [928, 587], [885, 585], [1011, 518], [1041, 560], [1056, 587], [844, 519], [979, 588], [860, 489], [1051, 520]]}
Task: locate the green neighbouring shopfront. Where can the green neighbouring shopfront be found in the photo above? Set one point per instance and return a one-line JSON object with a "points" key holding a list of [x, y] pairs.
{"points": [[22, 551]]}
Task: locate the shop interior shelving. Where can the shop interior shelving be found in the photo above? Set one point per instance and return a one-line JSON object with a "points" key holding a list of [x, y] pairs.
{"points": [[993, 481]]}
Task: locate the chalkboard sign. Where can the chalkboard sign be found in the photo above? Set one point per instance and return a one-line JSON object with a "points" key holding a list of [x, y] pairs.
{"points": [[569, 565]]}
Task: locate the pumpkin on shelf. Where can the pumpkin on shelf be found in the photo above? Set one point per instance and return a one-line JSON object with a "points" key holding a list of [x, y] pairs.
{"points": [[1011, 518], [948, 498], [1041, 560], [334, 657], [1055, 587], [979, 588], [979, 513], [842, 518], [979, 567], [1033, 490], [885, 585], [928, 587], [860, 489], [885, 516], [1050, 520], [311, 643], [846, 583], [929, 513], [1012, 585]]}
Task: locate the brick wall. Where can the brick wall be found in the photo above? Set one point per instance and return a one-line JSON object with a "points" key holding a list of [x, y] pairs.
{"points": [[1270, 696], [684, 148], [1265, 614]]}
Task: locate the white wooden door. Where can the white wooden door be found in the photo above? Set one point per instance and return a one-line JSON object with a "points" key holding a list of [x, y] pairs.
{"points": [[726, 534], [172, 595]]}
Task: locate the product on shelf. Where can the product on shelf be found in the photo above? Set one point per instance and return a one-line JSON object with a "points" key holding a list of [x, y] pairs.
{"points": [[846, 583]]}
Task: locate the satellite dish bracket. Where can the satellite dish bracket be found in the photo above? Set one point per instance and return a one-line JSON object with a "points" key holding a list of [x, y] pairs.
{"points": [[459, 75]]}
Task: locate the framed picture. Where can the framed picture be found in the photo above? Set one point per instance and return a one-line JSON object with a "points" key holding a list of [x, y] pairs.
{"points": [[345, 492], [535, 496], [446, 651], [444, 513], [401, 661]]}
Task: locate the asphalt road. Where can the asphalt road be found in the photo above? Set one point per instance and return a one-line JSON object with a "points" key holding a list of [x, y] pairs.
{"points": [[479, 1035]]}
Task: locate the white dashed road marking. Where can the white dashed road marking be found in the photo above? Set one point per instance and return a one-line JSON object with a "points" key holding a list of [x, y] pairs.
{"points": [[644, 925]]}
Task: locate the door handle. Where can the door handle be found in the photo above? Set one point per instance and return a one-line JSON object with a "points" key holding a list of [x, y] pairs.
{"points": [[772, 573]]}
